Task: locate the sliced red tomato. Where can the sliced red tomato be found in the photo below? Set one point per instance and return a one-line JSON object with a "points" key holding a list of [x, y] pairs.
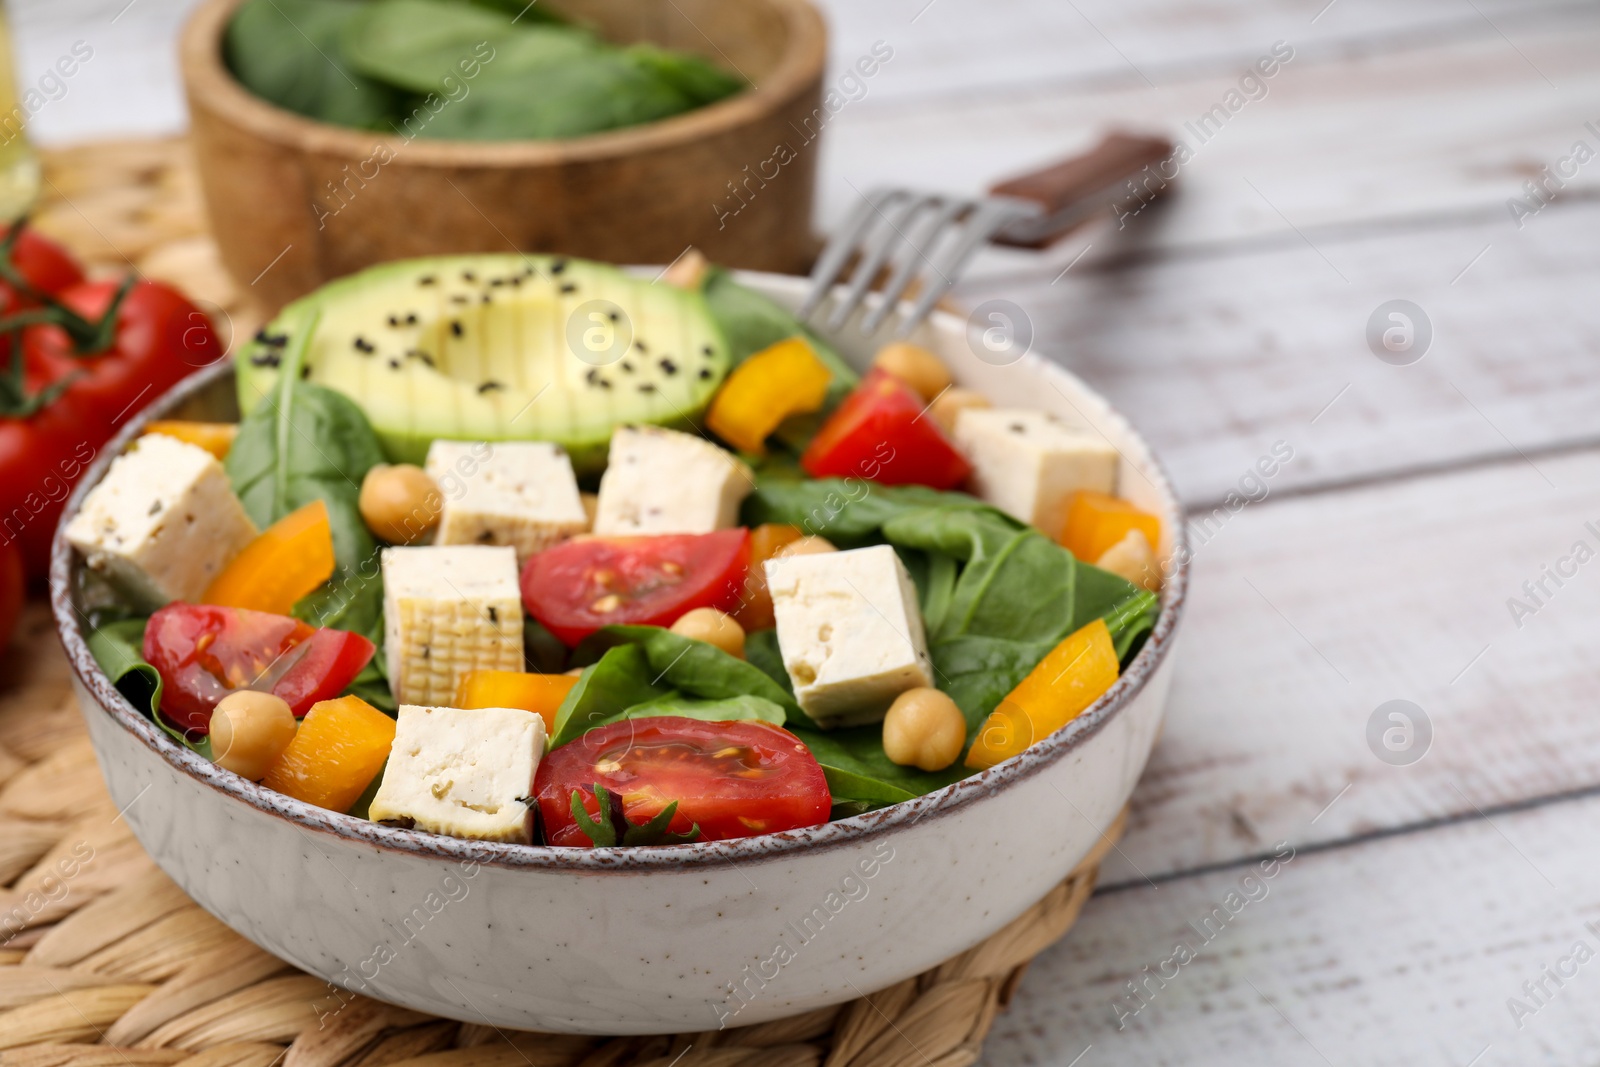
{"points": [[203, 653], [732, 779], [579, 586], [882, 434]]}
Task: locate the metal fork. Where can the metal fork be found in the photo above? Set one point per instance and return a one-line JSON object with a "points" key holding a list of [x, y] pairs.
{"points": [[902, 229]]}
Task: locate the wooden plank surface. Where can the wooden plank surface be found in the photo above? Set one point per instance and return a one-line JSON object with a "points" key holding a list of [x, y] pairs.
{"points": [[1307, 614], [1400, 951]]}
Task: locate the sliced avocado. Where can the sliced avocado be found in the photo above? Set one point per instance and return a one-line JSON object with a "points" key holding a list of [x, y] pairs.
{"points": [[500, 348]]}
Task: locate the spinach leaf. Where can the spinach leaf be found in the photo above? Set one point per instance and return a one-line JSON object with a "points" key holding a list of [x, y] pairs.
{"points": [[750, 322], [287, 52], [415, 44], [695, 668], [619, 680], [563, 98], [761, 651], [303, 443], [694, 78], [542, 653], [118, 647], [857, 769], [726, 709]]}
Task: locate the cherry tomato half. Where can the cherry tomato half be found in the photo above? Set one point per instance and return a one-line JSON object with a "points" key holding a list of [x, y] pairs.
{"points": [[203, 653], [579, 586], [880, 433], [733, 779]]}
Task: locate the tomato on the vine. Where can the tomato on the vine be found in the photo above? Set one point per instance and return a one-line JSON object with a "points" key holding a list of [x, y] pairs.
{"points": [[731, 779], [11, 590], [158, 338]]}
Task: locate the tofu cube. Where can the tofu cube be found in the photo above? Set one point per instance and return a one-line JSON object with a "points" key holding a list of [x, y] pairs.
{"points": [[517, 493], [462, 773], [1028, 463], [664, 482], [163, 523], [850, 631], [448, 610]]}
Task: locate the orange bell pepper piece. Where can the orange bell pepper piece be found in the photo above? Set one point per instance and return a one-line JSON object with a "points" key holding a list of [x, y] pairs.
{"points": [[768, 387], [214, 437], [1096, 521], [339, 749], [755, 603], [1074, 675], [541, 694], [288, 560]]}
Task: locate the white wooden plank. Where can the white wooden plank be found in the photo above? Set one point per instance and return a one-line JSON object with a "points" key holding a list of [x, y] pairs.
{"points": [[1306, 615], [1398, 951], [1440, 131], [954, 48]]}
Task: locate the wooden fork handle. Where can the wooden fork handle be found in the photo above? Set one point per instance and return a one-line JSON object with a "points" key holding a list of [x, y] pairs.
{"points": [[1073, 189]]}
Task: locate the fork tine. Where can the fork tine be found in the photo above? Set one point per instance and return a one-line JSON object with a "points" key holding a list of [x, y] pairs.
{"points": [[841, 245], [875, 253], [930, 229], [991, 215]]}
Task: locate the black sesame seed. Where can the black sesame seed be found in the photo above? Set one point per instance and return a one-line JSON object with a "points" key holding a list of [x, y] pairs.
{"points": [[591, 374], [602, 383], [647, 387], [486, 298], [426, 279], [707, 350], [613, 316], [468, 276], [705, 372], [394, 364], [305, 370], [365, 346], [557, 266], [458, 299], [668, 367], [496, 283], [568, 287], [394, 320], [266, 359], [491, 386], [516, 279], [155, 509], [456, 329], [627, 366], [640, 345], [276, 340], [411, 318], [425, 358]]}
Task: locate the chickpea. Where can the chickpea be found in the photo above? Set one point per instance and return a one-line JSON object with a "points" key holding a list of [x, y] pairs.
{"points": [[400, 503], [806, 546], [1132, 558], [916, 366], [925, 729], [712, 627], [249, 731], [951, 403]]}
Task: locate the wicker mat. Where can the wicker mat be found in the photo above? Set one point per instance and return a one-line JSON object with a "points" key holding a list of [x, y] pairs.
{"points": [[110, 965]]}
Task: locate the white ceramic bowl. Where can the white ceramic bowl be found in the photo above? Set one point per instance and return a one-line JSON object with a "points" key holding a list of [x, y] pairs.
{"points": [[651, 940]]}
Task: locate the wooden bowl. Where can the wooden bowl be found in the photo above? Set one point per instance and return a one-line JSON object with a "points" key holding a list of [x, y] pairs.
{"points": [[294, 202]]}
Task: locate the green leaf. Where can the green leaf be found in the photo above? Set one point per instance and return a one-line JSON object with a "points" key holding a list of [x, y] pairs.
{"points": [[600, 831], [691, 667], [303, 443], [751, 322], [728, 709], [543, 653], [858, 770], [617, 682], [118, 647], [699, 81], [416, 44], [613, 827], [287, 52], [761, 651]]}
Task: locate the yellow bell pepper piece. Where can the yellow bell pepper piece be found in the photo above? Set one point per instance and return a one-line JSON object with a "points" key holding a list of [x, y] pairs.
{"points": [[1096, 521], [1074, 675], [541, 694], [339, 749], [214, 437], [288, 560], [768, 387]]}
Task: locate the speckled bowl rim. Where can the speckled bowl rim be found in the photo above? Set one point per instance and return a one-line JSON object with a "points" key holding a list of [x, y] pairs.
{"points": [[843, 832]]}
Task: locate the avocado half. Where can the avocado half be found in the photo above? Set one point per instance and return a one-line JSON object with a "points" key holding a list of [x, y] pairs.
{"points": [[499, 348]]}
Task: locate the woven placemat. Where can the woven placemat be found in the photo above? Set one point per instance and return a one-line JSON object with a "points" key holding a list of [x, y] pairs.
{"points": [[105, 963]]}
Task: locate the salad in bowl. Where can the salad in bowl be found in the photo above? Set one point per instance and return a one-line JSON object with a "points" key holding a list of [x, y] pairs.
{"points": [[548, 569]]}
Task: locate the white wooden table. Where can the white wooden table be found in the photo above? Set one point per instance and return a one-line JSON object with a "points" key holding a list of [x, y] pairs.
{"points": [[1378, 165]]}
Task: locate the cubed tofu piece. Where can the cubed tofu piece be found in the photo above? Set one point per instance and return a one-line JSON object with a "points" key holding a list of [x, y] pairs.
{"points": [[462, 773], [664, 482], [447, 610], [1028, 463], [163, 523], [850, 632], [517, 493]]}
